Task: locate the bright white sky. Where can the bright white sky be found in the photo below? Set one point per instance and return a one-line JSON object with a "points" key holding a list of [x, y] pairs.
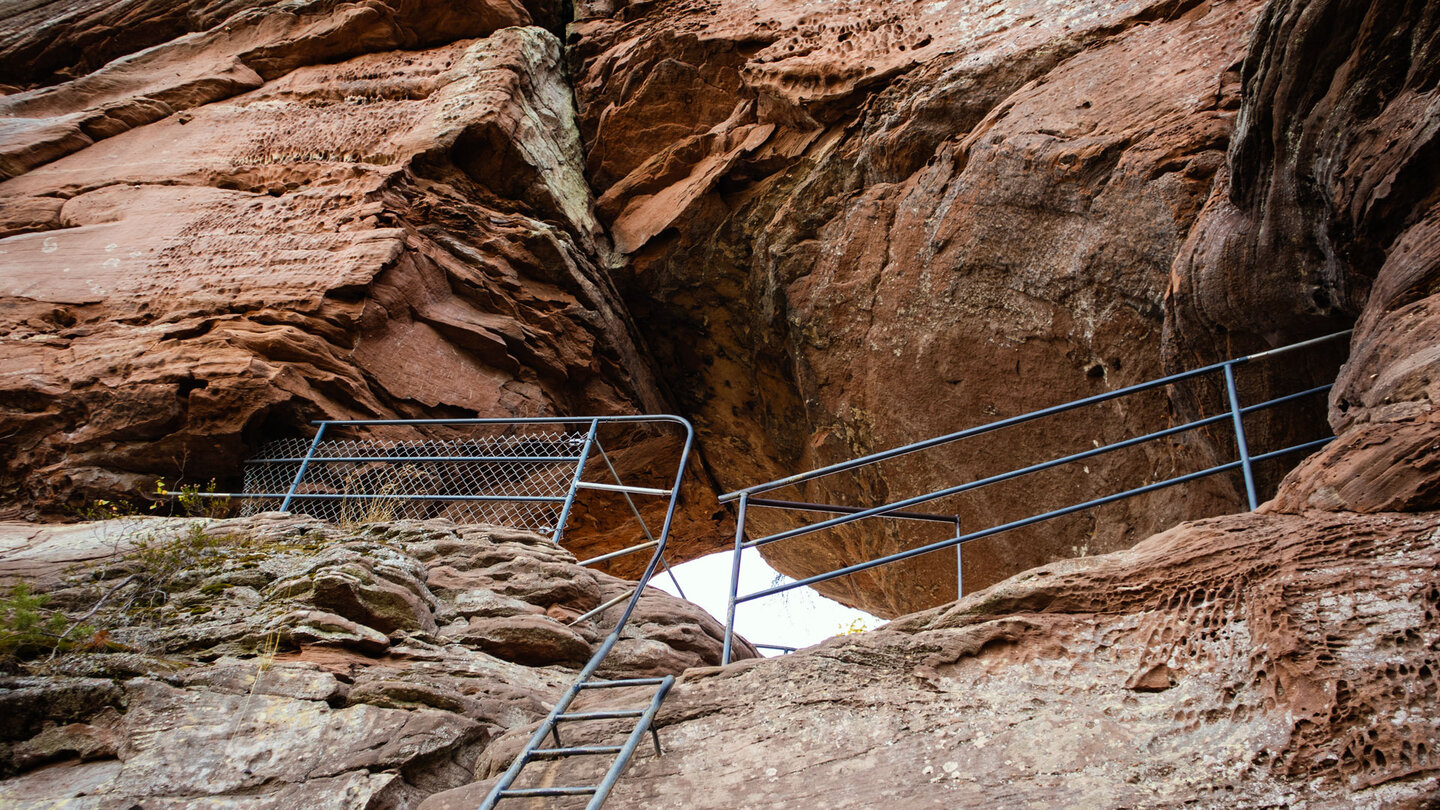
{"points": [[795, 618]]}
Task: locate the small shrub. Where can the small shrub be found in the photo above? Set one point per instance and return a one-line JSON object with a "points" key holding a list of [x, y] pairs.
{"points": [[29, 630], [192, 500], [104, 509], [156, 562]]}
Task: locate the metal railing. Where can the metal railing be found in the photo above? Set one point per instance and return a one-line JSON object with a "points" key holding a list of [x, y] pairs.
{"points": [[536, 463], [1234, 415], [523, 473], [644, 718]]}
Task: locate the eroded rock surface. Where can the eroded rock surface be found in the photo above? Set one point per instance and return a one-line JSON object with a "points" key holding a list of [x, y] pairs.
{"points": [[853, 226], [344, 211], [281, 662], [1248, 661], [1327, 211]]}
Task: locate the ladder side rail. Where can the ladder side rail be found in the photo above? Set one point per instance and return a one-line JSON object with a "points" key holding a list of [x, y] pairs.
{"points": [[546, 727]]}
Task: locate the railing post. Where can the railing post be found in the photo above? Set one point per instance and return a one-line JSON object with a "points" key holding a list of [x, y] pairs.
{"points": [[304, 464], [1240, 443], [959, 563], [575, 482], [734, 580]]}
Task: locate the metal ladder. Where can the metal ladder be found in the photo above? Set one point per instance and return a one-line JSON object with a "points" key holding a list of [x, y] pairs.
{"points": [[550, 728], [644, 718]]}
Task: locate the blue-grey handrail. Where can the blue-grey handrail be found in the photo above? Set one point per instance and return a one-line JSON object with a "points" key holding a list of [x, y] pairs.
{"points": [[863, 461], [897, 509], [889, 510]]}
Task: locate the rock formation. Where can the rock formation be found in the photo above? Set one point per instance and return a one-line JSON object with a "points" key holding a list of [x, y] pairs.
{"points": [[1245, 661], [837, 228], [327, 211], [1327, 210], [281, 662], [817, 228], [855, 226]]}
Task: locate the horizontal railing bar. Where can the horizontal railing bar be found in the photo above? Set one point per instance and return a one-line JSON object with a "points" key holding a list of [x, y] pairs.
{"points": [[1270, 403], [352, 497], [1295, 448], [773, 647], [616, 714], [1020, 419], [860, 514], [622, 552], [601, 608], [1017, 524], [535, 420], [884, 509], [801, 506], [573, 751], [621, 683], [629, 490], [1304, 344], [485, 459]]}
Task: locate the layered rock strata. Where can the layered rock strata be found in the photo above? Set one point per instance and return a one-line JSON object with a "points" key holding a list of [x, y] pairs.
{"points": [[1327, 209], [853, 227], [280, 662], [300, 212], [840, 227], [1247, 661]]}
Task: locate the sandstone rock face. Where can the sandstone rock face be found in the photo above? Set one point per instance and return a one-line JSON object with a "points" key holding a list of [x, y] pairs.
{"points": [[301, 211], [839, 227], [1247, 661], [1327, 212], [284, 663], [852, 226]]}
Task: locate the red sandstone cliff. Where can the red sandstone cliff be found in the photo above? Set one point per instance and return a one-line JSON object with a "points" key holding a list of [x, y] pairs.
{"points": [[836, 230], [836, 227]]}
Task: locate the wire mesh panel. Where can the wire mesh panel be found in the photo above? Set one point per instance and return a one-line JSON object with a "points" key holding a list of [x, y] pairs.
{"points": [[520, 478]]}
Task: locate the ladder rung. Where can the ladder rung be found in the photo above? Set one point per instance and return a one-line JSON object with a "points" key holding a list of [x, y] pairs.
{"points": [[549, 791], [556, 753], [621, 682], [615, 715], [625, 489]]}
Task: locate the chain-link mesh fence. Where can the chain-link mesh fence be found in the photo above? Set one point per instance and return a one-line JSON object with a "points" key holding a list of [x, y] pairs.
{"points": [[518, 479]]}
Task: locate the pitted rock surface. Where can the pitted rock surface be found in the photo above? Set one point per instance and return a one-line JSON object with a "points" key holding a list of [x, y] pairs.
{"points": [[1248, 661]]}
